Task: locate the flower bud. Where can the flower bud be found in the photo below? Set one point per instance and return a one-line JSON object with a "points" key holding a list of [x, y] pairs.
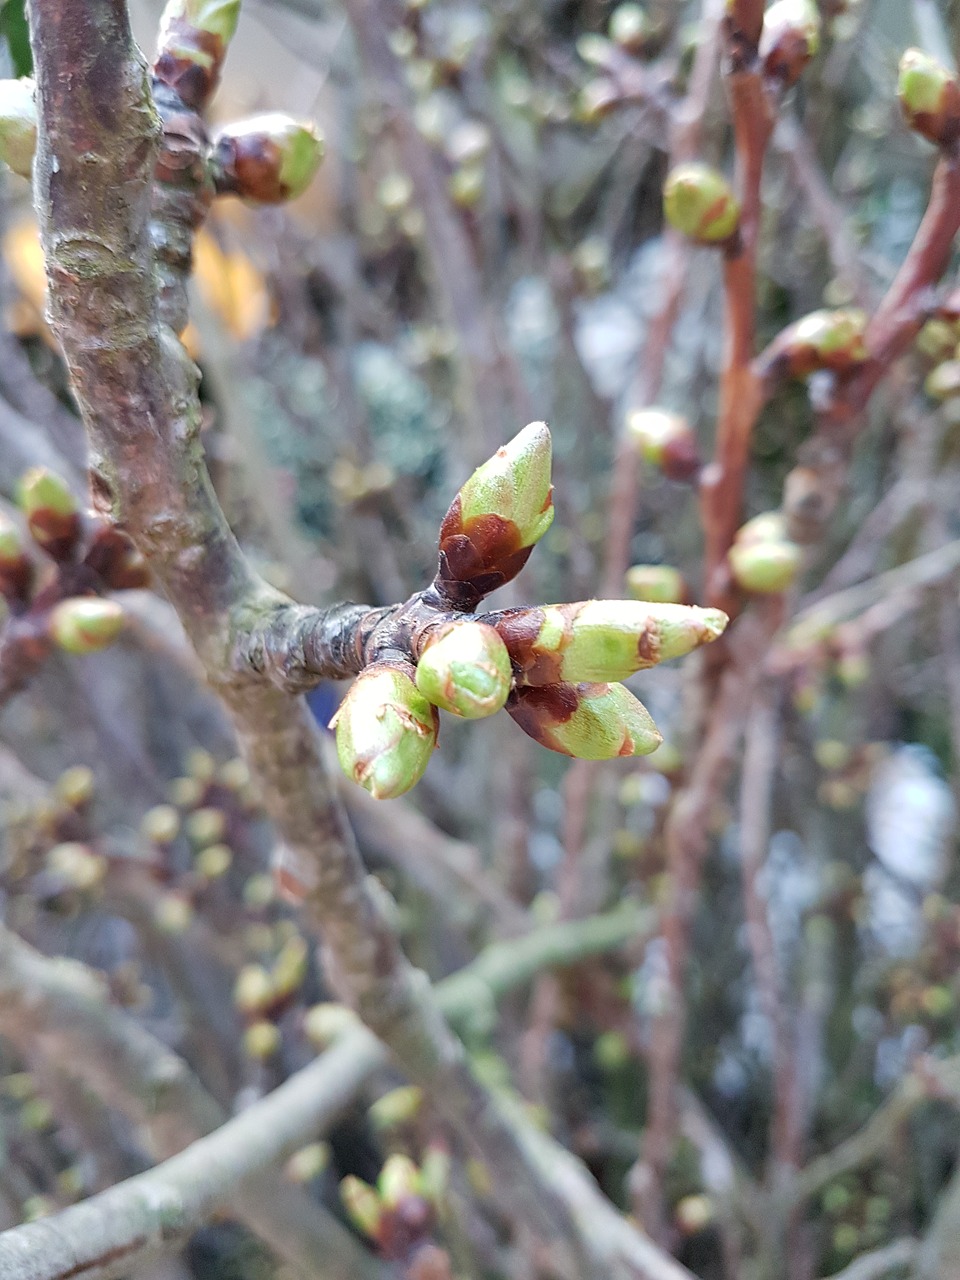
{"points": [[698, 202], [657, 583], [600, 640], [943, 382], [206, 826], [289, 970], [308, 1163], [85, 624], [589, 721], [821, 340], [75, 786], [51, 511], [767, 567], [503, 509], [214, 861], [398, 1107], [665, 440], [362, 1205], [268, 158], [325, 1022], [18, 125], [77, 865], [16, 571], [465, 670], [386, 732], [261, 1040], [161, 824], [629, 27], [930, 97], [194, 35], [791, 37], [399, 1178], [253, 990]]}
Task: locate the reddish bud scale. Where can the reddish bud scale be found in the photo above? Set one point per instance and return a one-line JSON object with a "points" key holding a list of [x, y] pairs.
{"points": [[787, 57], [537, 710], [681, 459], [189, 62], [115, 560], [477, 557], [249, 166]]}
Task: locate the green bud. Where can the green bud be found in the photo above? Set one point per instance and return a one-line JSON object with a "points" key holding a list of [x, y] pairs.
{"points": [[791, 37], [629, 27], [18, 125], [943, 382], [386, 732], [161, 824], [765, 567], [698, 202], [308, 1163], [261, 1040], [362, 1205], [214, 17], [465, 670], [325, 1022], [290, 967], [399, 1179], [85, 624], [657, 583], [253, 991], [588, 721], [930, 97], [601, 640], [269, 158], [503, 509], [194, 35], [824, 340], [937, 340], [50, 508], [664, 440], [12, 550], [206, 826], [214, 861], [398, 1107]]}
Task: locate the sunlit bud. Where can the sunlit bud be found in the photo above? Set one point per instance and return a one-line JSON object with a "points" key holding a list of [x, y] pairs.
{"points": [[765, 567], [85, 624], [308, 1163], [693, 1213], [268, 158], [161, 824], [465, 670], [324, 1023], [399, 1178], [194, 35], [629, 27], [589, 721], [791, 37], [665, 440], [937, 340], [499, 514], [943, 382], [51, 511], [930, 97], [290, 967], [831, 340], [206, 826], [200, 764], [37, 1207], [173, 913], [398, 1107], [75, 786], [698, 202], [16, 571], [362, 1205], [659, 583], [468, 143], [77, 864], [214, 861], [386, 732], [261, 1040], [602, 640], [253, 991], [18, 125]]}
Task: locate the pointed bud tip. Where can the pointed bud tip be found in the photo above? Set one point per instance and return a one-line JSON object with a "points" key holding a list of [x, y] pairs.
{"points": [[588, 721]]}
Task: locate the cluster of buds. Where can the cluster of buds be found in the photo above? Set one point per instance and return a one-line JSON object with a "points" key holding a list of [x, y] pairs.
{"points": [[763, 559], [556, 669], [823, 340], [399, 1214], [666, 441], [930, 97], [60, 605], [699, 202]]}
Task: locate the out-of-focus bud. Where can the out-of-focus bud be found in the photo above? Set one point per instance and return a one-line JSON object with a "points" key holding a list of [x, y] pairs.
{"points": [[791, 37], [253, 991], [386, 732], [762, 558], [214, 861], [466, 185], [597, 99], [698, 202], [943, 382], [52, 515], [77, 865], [658, 583], [362, 1205], [602, 640], [465, 670], [930, 97], [206, 826], [399, 1178], [161, 824], [694, 1213], [591, 263], [308, 1163], [16, 571], [173, 913], [194, 35], [85, 624], [398, 1107], [268, 158], [629, 27], [18, 125], [493, 523], [114, 558], [75, 786], [822, 340], [261, 1040], [324, 1023], [665, 440], [589, 721], [290, 967], [937, 339]]}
